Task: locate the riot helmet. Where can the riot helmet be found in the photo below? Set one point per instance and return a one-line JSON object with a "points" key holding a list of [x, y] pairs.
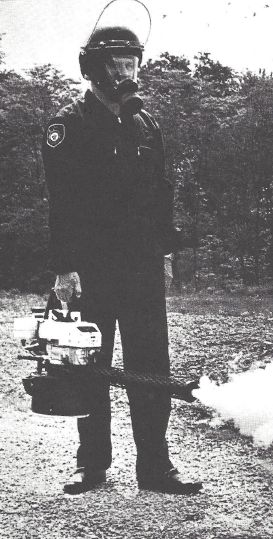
{"points": [[113, 52]]}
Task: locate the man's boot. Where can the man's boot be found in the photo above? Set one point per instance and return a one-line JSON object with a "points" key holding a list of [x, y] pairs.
{"points": [[169, 482], [85, 480]]}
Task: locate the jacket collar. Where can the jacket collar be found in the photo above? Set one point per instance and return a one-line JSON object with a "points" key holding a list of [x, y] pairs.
{"points": [[98, 110]]}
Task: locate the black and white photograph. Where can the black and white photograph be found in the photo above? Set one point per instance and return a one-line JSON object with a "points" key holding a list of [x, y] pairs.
{"points": [[136, 269]]}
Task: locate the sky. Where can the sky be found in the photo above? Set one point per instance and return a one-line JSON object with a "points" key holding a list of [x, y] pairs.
{"points": [[238, 33]]}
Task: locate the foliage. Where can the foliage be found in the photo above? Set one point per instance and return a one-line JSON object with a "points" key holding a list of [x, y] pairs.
{"points": [[27, 103], [219, 155], [218, 131]]}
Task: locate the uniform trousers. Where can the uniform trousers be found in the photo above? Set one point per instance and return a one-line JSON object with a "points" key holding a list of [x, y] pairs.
{"points": [[136, 299]]}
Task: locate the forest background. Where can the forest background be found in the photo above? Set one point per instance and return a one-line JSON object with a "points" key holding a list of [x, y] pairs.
{"points": [[218, 129]]}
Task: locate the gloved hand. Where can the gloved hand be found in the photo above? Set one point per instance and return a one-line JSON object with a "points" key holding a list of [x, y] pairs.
{"points": [[67, 284]]}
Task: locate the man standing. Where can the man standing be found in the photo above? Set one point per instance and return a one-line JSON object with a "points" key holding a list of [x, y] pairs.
{"points": [[111, 224]]}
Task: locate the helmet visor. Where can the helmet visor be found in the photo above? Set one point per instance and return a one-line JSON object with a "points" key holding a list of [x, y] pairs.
{"points": [[123, 67], [131, 14]]}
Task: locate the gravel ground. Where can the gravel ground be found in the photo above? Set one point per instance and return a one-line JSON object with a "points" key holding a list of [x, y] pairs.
{"points": [[38, 451]]}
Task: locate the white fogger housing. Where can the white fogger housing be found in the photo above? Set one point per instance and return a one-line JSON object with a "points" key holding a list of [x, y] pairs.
{"points": [[71, 342], [25, 327]]}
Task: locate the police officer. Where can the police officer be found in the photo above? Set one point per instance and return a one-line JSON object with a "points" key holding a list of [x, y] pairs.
{"points": [[111, 224]]}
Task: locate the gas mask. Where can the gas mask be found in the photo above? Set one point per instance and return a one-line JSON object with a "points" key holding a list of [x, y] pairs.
{"points": [[113, 53], [121, 81]]}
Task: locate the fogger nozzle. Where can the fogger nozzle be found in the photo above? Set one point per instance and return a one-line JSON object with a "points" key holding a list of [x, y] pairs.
{"points": [[188, 397]]}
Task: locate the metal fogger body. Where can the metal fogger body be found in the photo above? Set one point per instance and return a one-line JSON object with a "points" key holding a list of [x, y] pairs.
{"points": [[71, 369]]}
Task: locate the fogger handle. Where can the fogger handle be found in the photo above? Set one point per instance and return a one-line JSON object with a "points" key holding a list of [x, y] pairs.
{"points": [[54, 303]]}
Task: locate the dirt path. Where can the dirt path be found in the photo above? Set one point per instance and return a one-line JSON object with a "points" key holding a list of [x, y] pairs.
{"points": [[38, 455]]}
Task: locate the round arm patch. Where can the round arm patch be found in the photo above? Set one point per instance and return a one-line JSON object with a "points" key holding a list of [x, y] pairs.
{"points": [[55, 135]]}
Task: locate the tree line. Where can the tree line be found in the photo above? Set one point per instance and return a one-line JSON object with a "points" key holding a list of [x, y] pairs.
{"points": [[218, 130]]}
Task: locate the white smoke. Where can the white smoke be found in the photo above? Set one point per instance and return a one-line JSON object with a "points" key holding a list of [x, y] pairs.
{"points": [[247, 399]]}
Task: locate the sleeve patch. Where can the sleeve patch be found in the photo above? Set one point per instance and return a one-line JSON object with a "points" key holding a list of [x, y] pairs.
{"points": [[55, 135]]}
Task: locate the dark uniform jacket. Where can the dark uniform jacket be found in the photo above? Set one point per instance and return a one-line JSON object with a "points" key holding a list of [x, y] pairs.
{"points": [[109, 200]]}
